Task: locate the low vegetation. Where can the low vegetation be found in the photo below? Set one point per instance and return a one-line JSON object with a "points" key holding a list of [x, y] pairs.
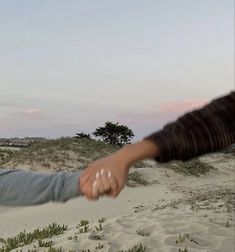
{"points": [[136, 248], [142, 233], [230, 150], [135, 179], [48, 243], [183, 250], [193, 167], [205, 200], [83, 223], [185, 237], [64, 153], [24, 238], [102, 220], [59, 154], [5, 155]]}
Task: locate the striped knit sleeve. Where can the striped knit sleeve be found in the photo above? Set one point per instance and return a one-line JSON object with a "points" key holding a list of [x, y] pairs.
{"points": [[201, 131]]}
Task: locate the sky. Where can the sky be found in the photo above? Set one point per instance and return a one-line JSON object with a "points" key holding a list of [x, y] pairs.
{"points": [[68, 66]]}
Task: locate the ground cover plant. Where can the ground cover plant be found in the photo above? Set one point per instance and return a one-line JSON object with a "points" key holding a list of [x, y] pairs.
{"points": [[5, 155], [136, 248], [193, 167], [66, 153], [135, 178], [24, 238]]}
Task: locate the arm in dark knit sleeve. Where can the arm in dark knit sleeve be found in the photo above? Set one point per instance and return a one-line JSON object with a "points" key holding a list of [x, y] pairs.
{"points": [[201, 131]]}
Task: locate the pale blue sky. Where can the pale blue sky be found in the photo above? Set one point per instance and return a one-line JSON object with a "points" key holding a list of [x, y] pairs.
{"points": [[69, 66]]}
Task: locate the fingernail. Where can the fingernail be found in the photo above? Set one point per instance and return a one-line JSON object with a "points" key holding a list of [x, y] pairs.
{"points": [[97, 175], [94, 184], [109, 174], [102, 172]]}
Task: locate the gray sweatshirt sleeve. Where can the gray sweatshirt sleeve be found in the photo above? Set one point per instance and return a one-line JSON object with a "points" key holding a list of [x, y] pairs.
{"points": [[22, 188]]}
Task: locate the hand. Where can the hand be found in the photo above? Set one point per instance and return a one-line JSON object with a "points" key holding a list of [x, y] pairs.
{"points": [[104, 176], [115, 169]]}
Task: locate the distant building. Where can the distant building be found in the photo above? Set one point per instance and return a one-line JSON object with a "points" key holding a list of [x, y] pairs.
{"points": [[20, 141]]}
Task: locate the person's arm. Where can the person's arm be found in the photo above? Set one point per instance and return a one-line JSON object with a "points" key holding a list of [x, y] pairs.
{"points": [[132, 153], [208, 129], [21, 188], [201, 131]]}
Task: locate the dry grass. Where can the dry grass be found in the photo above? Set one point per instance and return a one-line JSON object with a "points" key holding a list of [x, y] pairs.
{"points": [[193, 167], [205, 200], [59, 154], [5, 155], [63, 153], [136, 179]]}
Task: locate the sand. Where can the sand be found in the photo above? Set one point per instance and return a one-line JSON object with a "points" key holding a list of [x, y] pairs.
{"points": [[173, 213]]}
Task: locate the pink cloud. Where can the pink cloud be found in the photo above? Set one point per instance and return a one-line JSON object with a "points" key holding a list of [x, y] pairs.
{"points": [[162, 113], [32, 111], [183, 106], [33, 114]]}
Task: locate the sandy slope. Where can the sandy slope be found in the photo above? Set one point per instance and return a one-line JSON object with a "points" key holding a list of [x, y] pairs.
{"points": [[202, 207]]}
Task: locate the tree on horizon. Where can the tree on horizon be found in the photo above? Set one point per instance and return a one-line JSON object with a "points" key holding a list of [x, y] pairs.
{"points": [[114, 133], [82, 135]]}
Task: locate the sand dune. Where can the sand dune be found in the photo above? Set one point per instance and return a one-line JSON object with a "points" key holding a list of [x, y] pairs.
{"points": [[173, 213]]}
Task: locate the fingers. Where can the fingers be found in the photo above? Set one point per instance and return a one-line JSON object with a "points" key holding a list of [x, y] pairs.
{"points": [[89, 172], [89, 188], [103, 182], [106, 182], [95, 191], [113, 185], [97, 186], [86, 180]]}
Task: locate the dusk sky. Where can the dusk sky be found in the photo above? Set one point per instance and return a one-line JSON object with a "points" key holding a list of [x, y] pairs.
{"points": [[70, 66]]}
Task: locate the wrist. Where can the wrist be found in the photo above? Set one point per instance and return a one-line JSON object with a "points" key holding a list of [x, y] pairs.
{"points": [[133, 153]]}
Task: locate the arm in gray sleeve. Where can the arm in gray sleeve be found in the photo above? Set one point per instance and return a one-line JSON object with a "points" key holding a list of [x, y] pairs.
{"points": [[21, 188]]}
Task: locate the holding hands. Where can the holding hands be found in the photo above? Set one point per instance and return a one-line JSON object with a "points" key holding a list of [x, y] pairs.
{"points": [[104, 176], [108, 176]]}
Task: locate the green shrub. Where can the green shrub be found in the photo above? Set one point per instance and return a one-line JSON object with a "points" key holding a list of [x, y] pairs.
{"points": [[24, 238]]}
